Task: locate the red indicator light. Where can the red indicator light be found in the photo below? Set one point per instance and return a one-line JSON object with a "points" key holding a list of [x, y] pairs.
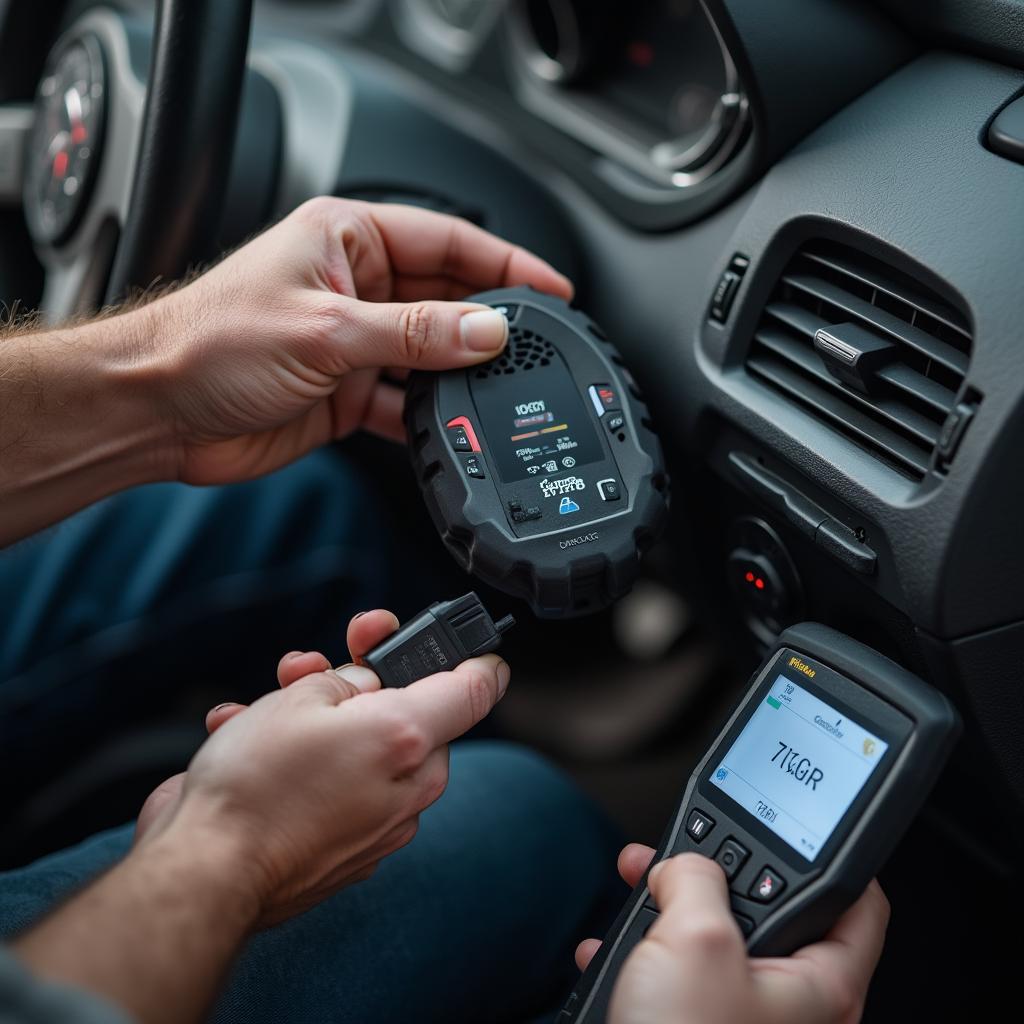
{"points": [[60, 164], [750, 577], [640, 54], [759, 583]]}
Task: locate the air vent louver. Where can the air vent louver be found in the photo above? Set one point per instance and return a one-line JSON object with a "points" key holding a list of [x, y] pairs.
{"points": [[900, 418]]}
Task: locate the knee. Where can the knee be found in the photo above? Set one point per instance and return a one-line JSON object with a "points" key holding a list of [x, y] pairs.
{"points": [[534, 805]]}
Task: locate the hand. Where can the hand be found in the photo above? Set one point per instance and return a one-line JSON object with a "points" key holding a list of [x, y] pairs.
{"points": [[316, 783], [693, 966], [279, 348], [365, 631]]}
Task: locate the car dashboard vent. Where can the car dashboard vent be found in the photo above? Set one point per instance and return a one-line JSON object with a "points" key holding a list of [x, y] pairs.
{"points": [[865, 347]]}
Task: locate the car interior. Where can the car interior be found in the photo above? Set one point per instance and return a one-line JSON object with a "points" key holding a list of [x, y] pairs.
{"points": [[738, 190]]}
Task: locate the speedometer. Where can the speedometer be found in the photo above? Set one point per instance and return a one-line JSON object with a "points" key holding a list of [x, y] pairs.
{"points": [[63, 150]]}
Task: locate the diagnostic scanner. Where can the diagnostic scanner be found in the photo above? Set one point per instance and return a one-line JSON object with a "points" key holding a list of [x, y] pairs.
{"points": [[541, 470], [800, 800]]}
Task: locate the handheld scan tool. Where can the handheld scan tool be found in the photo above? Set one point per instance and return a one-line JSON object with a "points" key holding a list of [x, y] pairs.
{"points": [[800, 800]]}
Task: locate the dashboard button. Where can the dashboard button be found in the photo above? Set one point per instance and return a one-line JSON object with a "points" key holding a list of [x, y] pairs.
{"points": [[767, 886], [698, 825], [842, 543], [731, 857], [609, 489], [474, 468], [725, 292]]}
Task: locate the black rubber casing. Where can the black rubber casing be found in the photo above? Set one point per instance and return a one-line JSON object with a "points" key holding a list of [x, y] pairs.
{"points": [[921, 726], [560, 569]]}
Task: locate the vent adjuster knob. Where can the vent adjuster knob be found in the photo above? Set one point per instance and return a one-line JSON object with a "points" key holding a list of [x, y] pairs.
{"points": [[853, 355]]}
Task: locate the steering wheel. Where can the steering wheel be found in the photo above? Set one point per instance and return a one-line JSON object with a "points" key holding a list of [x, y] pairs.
{"points": [[129, 150]]}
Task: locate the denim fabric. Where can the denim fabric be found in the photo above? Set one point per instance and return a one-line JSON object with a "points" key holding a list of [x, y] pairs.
{"points": [[157, 600], [474, 922]]}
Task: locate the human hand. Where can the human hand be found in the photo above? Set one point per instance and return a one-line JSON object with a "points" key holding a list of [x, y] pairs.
{"points": [[693, 965], [280, 347], [316, 783]]}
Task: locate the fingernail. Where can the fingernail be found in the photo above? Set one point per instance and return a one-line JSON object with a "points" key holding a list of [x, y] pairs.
{"points": [[504, 675], [654, 872], [226, 704], [292, 655], [483, 330], [358, 615], [363, 679]]}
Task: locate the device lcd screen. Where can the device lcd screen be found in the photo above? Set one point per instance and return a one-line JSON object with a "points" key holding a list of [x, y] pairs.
{"points": [[535, 422], [797, 765]]}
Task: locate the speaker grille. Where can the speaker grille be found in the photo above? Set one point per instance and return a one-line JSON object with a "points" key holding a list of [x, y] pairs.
{"points": [[526, 350]]}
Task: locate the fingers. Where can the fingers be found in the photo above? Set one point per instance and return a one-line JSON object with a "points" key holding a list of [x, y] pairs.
{"points": [[850, 952], [222, 713], [428, 335], [695, 919], [383, 415], [451, 703], [431, 779], [633, 862], [158, 805], [586, 951], [367, 629], [336, 686], [296, 664], [422, 243]]}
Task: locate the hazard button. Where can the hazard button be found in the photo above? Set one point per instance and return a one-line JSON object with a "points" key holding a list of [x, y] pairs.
{"points": [[766, 886]]}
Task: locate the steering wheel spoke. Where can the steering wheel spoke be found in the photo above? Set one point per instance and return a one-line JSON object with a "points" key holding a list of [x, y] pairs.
{"points": [[15, 125]]}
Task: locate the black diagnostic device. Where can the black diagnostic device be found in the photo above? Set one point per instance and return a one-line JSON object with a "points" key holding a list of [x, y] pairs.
{"points": [[541, 469], [437, 640], [800, 800]]}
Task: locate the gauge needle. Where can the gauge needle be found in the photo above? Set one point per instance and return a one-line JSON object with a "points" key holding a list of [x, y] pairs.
{"points": [[73, 105], [57, 154]]}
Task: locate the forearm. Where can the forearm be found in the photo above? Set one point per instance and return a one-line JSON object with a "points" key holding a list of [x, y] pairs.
{"points": [[156, 934], [80, 417]]}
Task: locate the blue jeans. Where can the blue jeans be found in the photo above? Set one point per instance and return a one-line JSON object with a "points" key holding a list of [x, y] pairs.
{"points": [[168, 596], [473, 922]]}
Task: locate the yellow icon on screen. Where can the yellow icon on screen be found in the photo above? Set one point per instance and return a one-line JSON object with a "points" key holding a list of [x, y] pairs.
{"points": [[869, 747]]}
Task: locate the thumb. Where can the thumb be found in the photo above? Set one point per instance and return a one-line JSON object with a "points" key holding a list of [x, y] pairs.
{"points": [[335, 686], [418, 335]]}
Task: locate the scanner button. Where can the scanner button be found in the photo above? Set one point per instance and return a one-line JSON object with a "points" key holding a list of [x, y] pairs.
{"points": [[609, 489], [746, 925], [730, 857], [459, 439], [475, 468], [603, 398], [767, 886], [615, 421], [698, 825]]}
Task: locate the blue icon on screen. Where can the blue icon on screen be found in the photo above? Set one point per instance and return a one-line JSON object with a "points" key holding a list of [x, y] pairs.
{"points": [[567, 506], [722, 774]]}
